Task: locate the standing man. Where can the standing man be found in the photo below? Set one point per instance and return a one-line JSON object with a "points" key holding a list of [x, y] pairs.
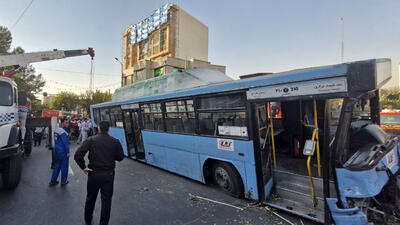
{"points": [[61, 148], [85, 129], [103, 150], [38, 135], [80, 131]]}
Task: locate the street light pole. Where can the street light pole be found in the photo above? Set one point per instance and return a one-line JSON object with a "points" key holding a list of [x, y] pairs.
{"points": [[122, 71]]}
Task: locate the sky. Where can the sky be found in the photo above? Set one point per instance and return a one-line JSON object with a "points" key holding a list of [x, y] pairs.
{"points": [[245, 36]]}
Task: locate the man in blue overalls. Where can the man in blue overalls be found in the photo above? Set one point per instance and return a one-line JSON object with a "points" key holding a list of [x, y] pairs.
{"points": [[61, 148]]}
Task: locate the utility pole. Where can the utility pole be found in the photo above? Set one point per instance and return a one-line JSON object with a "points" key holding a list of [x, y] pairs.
{"points": [[122, 71], [342, 20]]}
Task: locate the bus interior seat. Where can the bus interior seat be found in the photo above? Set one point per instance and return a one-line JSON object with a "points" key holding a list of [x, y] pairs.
{"points": [[206, 126], [188, 125]]}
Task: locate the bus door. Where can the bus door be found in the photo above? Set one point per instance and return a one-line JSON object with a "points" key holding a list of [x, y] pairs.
{"points": [[130, 138], [133, 134], [263, 135], [137, 132]]}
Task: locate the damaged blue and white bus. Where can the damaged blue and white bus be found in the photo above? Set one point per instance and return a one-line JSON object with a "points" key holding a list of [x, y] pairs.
{"points": [[305, 141]]}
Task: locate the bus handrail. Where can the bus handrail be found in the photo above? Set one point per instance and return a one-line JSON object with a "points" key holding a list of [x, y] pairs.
{"points": [[272, 133]]}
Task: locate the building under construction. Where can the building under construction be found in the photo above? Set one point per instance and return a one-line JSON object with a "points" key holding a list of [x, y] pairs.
{"points": [[168, 41]]}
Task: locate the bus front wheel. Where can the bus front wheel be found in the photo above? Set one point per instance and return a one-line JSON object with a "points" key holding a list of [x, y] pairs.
{"points": [[228, 179]]}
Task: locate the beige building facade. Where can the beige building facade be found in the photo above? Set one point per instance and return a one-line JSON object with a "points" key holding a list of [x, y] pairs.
{"points": [[181, 42]]}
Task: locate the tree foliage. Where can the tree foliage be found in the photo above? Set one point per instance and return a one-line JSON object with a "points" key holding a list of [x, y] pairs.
{"points": [[5, 40], [93, 98], [25, 78], [29, 82], [67, 101], [390, 98]]}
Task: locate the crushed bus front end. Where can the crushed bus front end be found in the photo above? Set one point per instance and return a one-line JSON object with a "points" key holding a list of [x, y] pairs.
{"points": [[366, 173]]}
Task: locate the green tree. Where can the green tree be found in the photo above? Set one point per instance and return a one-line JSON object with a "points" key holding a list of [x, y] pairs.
{"points": [[29, 82], [390, 98], [93, 98], [5, 40], [25, 78], [67, 101]]}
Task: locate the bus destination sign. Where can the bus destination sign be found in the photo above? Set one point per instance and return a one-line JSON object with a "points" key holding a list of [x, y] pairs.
{"points": [[331, 85]]}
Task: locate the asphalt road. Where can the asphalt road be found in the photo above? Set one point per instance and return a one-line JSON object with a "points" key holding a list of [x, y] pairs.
{"points": [[143, 195]]}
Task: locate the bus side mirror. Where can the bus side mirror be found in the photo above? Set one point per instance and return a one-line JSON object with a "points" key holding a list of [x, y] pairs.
{"points": [[22, 97]]}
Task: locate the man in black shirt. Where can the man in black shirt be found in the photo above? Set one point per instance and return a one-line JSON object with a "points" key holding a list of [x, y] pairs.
{"points": [[103, 150]]}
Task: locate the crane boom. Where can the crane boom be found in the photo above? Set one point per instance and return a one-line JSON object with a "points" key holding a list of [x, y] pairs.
{"points": [[22, 60]]}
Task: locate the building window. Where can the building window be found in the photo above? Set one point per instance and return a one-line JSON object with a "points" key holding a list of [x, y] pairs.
{"points": [[156, 42], [153, 45], [158, 72], [180, 116], [162, 39], [152, 116], [175, 70]]}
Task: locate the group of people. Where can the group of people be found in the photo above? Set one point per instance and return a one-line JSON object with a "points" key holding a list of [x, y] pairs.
{"points": [[80, 129], [103, 151]]}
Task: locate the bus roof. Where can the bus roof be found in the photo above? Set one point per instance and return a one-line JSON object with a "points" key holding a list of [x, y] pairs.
{"points": [[362, 76]]}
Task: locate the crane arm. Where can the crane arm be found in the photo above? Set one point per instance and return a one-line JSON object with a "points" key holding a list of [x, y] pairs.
{"points": [[22, 60]]}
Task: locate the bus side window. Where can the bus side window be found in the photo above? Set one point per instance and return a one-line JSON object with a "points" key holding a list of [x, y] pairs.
{"points": [[223, 115], [116, 117], [152, 117], [105, 114], [180, 117], [96, 115], [223, 124]]}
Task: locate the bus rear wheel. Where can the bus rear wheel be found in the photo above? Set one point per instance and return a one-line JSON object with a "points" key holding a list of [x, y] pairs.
{"points": [[228, 179]]}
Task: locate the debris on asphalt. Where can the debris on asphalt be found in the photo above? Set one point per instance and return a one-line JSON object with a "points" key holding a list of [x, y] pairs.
{"points": [[193, 198], [281, 217]]}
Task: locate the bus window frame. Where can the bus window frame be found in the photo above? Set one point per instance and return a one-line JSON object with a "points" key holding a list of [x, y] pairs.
{"points": [[112, 122], [142, 114], [109, 113], [96, 115], [178, 112], [195, 99]]}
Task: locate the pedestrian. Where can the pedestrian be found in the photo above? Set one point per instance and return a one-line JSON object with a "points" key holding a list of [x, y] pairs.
{"points": [[103, 150], [38, 135], [61, 148], [85, 129], [80, 132]]}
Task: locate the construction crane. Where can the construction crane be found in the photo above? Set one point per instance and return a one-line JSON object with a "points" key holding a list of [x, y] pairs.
{"points": [[22, 60], [15, 139]]}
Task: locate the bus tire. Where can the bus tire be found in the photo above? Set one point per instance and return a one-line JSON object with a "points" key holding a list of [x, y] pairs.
{"points": [[228, 179], [11, 174]]}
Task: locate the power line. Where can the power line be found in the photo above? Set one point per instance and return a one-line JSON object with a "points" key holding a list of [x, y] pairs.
{"points": [[22, 14], [78, 72]]}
